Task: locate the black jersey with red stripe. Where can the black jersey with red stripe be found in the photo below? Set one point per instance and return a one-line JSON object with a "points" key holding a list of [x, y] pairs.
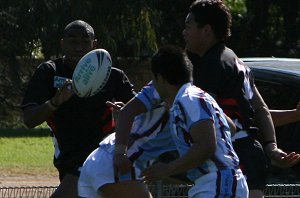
{"points": [[220, 72], [79, 124]]}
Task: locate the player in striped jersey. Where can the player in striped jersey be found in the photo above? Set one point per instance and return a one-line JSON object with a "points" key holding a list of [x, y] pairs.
{"points": [[200, 132], [149, 137]]}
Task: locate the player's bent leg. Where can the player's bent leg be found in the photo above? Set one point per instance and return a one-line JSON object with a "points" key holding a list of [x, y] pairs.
{"points": [[97, 172], [67, 187], [125, 189]]}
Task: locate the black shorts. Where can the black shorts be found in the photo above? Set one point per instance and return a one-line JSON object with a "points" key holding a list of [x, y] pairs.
{"points": [[63, 170], [253, 162]]}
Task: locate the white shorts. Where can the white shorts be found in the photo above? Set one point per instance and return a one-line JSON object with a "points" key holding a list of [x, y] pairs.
{"points": [[221, 184], [97, 171]]}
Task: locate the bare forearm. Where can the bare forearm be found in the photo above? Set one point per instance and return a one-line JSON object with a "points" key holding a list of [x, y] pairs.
{"points": [[192, 159], [36, 115], [204, 146], [126, 118], [263, 119], [123, 127], [282, 117]]}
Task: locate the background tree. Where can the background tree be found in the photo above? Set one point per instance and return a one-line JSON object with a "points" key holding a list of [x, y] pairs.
{"points": [[268, 28], [130, 30]]}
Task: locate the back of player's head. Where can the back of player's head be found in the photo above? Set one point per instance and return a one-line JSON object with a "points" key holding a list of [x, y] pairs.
{"points": [[215, 13], [80, 25], [172, 64]]}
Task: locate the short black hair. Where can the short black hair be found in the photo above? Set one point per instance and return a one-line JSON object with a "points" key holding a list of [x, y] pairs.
{"points": [[172, 64], [79, 24], [215, 13]]}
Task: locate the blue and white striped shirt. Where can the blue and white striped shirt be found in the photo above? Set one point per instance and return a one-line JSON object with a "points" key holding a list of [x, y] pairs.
{"points": [[150, 134], [191, 106]]}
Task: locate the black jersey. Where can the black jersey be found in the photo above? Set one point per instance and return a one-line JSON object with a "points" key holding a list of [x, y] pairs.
{"points": [[221, 73], [79, 124]]}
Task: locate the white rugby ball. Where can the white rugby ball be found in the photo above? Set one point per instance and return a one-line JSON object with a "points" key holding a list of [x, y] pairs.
{"points": [[91, 73]]}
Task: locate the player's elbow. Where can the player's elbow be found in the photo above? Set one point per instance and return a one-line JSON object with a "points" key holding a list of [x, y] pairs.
{"points": [[31, 118], [28, 123]]}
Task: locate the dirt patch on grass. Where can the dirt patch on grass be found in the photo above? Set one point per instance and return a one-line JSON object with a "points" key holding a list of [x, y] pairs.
{"points": [[21, 178]]}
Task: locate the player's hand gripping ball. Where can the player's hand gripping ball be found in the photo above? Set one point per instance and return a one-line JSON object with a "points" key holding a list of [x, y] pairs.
{"points": [[91, 73]]}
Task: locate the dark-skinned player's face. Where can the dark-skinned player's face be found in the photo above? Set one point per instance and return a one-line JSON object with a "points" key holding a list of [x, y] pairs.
{"points": [[193, 34], [76, 43]]}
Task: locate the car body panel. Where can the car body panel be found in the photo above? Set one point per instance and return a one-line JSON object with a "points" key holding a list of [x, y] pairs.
{"points": [[277, 70]]}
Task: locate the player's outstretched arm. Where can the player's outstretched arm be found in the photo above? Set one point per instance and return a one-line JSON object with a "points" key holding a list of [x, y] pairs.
{"points": [[265, 124], [282, 117], [203, 147], [124, 123], [37, 114]]}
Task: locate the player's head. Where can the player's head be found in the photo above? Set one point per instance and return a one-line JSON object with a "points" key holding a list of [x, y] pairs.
{"points": [[79, 25], [215, 13], [78, 39], [208, 21], [171, 64]]}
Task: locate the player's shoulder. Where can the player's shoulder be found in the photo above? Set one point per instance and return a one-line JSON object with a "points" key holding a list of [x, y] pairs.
{"points": [[120, 83], [149, 96], [149, 89], [193, 95], [51, 64], [228, 58], [186, 93], [191, 91], [116, 74], [219, 57], [115, 70]]}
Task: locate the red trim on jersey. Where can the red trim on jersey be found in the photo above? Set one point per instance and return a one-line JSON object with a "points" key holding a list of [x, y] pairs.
{"points": [[108, 111], [109, 127], [230, 107], [228, 101], [109, 121], [52, 125]]}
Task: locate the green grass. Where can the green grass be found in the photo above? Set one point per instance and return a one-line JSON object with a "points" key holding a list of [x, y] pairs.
{"points": [[26, 151]]}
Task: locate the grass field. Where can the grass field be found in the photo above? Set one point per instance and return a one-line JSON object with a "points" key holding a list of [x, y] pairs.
{"points": [[30, 152], [24, 151]]}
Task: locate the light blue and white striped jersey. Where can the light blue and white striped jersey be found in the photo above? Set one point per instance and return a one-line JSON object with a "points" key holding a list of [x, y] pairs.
{"points": [[190, 106], [150, 134], [149, 97]]}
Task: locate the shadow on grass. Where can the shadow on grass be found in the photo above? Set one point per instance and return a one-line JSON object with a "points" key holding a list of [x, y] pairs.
{"points": [[39, 132]]}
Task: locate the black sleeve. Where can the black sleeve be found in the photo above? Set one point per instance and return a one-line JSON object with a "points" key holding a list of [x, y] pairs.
{"points": [[231, 79], [231, 72], [124, 88], [40, 87]]}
